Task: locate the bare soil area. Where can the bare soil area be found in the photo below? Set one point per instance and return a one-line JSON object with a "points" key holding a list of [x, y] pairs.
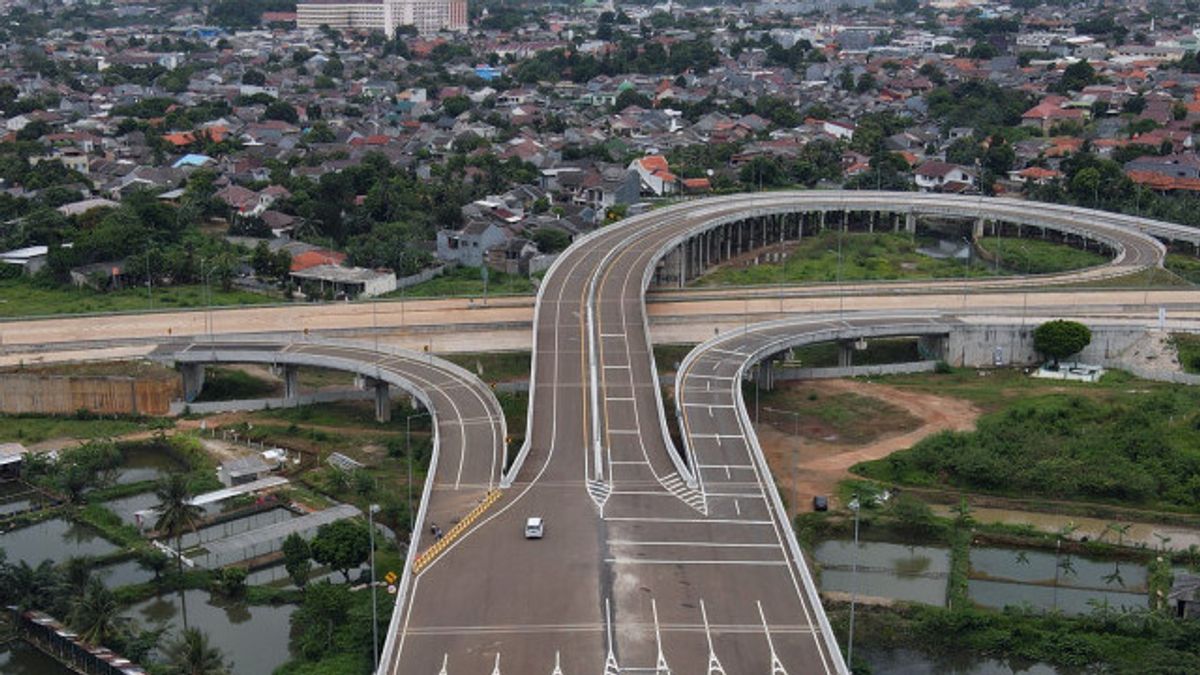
{"points": [[809, 465]]}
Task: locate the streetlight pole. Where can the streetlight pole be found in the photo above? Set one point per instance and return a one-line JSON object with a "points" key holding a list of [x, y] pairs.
{"points": [[854, 506], [795, 450], [371, 511]]}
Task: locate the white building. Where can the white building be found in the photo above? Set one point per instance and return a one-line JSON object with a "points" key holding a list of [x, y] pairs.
{"points": [[429, 16]]}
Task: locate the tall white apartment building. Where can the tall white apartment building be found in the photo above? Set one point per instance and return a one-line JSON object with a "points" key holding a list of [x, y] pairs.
{"points": [[429, 16]]}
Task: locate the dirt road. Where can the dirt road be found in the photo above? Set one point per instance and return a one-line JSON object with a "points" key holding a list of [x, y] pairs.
{"points": [[822, 464]]}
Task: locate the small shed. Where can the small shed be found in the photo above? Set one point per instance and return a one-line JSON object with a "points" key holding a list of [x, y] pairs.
{"points": [[12, 456], [242, 470], [1185, 596]]}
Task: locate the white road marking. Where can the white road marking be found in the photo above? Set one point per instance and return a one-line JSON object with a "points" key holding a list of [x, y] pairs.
{"points": [[671, 561], [698, 544], [682, 521]]}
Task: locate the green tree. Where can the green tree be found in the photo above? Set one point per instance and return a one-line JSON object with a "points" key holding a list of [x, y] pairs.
{"points": [[154, 561], [914, 515], [342, 545], [261, 260], [191, 654], [254, 78], [326, 608], [1060, 338], [1076, 76], [456, 105], [297, 559], [96, 614], [283, 111], [551, 239], [176, 515]]}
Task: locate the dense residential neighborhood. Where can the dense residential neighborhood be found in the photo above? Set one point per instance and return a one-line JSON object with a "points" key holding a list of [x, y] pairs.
{"points": [[429, 150]]}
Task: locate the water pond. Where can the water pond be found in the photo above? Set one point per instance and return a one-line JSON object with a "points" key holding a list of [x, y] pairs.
{"points": [[895, 571], [254, 638], [56, 539]]}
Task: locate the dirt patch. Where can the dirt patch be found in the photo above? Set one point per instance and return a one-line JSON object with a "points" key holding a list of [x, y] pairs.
{"points": [[807, 466]]}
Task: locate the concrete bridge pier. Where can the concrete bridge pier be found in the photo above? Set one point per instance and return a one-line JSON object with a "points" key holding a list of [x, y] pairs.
{"points": [[193, 380], [910, 223], [383, 399], [291, 382]]}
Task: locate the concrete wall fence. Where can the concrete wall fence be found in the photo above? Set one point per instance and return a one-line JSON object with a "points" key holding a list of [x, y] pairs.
{"points": [[23, 393]]}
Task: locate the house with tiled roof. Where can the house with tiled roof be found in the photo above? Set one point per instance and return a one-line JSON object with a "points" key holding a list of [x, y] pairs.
{"points": [[655, 175], [1051, 111]]}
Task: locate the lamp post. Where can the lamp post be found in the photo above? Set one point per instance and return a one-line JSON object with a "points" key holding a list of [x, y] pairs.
{"points": [[796, 447], [371, 511], [854, 506], [966, 268]]}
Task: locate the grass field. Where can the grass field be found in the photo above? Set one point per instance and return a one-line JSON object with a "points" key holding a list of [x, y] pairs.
{"points": [[991, 390], [22, 297], [863, 257], [230, 384], [1124, 440], [851, 418], [1188, 346], [496, 366], [1036, 256], [468, 282], [888, 256], [29, 430], [1185, 266]]}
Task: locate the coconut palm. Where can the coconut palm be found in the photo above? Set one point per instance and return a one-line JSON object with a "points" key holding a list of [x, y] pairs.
{"points": [[191, 654], [96, 613], [28, 587], [177, 514]]}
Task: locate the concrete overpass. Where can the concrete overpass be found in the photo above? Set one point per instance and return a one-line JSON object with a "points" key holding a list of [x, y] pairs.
{"points": [[641, 571]]}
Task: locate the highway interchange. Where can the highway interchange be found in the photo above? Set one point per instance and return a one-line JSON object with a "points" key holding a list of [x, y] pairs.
{"points": [[657, 559]]}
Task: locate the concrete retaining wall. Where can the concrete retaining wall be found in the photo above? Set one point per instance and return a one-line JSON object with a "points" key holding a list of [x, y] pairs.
{"points": [[789, 374], [981, 346], [105, 395], [244, 405]]}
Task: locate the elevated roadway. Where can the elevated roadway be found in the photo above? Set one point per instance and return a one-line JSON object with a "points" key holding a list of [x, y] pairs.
{"points": [[643, 569]]}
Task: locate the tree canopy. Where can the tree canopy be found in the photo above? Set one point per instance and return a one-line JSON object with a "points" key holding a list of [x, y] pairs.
{"points": [[1060, 338], [342, 545]]}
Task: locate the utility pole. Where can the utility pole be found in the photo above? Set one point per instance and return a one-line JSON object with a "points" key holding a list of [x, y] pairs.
{"points": [[854, 506], [371, 511]]}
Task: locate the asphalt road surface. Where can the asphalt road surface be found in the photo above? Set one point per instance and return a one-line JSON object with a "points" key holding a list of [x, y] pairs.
{"points": [[644, 568]]}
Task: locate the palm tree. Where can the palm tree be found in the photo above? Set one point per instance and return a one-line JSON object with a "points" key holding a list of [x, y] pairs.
{"points": [[29, 587], [96, 613], [177, 514], [191, 654]]}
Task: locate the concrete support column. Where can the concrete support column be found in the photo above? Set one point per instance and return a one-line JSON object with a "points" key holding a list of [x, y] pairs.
{"points": [[910, 223], [193, 380], [291, 382], [977, 230], [845, 354], [821, 223], [383, 400], [678, 264]]}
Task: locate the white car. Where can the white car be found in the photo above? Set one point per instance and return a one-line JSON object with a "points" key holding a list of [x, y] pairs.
{"points": [[535, 528]]}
